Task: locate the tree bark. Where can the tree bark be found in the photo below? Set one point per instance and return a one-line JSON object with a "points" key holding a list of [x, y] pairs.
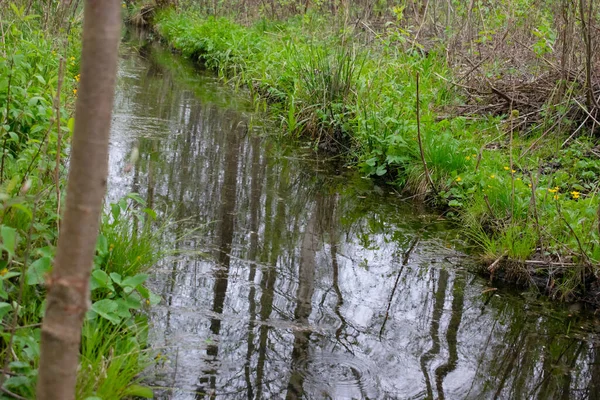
{"points": [[68, 291]]}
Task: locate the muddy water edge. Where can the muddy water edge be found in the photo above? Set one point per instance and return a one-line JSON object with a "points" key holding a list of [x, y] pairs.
{"points": [[297, 278]]}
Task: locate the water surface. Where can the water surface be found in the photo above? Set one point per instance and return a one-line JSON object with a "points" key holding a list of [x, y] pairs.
{"points": [[305, 280]]}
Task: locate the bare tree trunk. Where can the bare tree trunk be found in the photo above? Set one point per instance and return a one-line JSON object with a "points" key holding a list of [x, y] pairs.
{"points": [[68, 291]]}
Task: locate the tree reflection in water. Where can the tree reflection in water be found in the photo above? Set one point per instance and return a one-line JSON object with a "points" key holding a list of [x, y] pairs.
{"points": [[304, 281]]}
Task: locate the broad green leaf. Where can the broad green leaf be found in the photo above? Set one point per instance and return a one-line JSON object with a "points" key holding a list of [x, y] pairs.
{"points": [[102, 244], [107, 309], [122, 309], [5, 308], [132, 302], [116, 278], [37, 270], [9, 240], [100, 280], [134, 281]]}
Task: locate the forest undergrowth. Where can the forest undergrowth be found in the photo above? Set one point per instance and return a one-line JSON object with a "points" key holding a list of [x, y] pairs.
{"points": [[489, 111], [39, 75]]}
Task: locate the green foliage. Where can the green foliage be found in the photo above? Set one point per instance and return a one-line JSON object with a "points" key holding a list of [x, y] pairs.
{"points": [[31, 124]]}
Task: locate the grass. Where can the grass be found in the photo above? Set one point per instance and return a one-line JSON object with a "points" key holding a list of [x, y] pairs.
{"points": [[522, 195]]}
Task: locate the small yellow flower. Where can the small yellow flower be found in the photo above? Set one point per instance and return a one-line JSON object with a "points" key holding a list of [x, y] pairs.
{"points": [[72, 59], [138, 258], [4, 271], [474, 155], [74, 91], [555, 190], [123, 5], [111, 247], [529, 185], [512, 171], [556, 197], [518, 179], [506, 168], [468, 158], [575, 194], [458, 179], [147, 301], [492, 176]]}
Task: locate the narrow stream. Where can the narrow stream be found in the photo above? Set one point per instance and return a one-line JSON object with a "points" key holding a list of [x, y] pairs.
{"points": [[305, 280]]}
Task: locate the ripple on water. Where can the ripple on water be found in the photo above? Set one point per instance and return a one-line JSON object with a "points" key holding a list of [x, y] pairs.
{"points": [[338, 375]]}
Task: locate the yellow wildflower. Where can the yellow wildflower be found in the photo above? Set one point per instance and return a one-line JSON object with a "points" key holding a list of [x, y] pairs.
{"points": [[518, 179], [556, 197], [529, 185], [506, 168], [575, 194], [74, 91], [4, 271], [111, 247], [492, 176], [468, 158], [123, 5], [147, 301], [512, 171], [555, 190], [72, 58], [458, 179]]}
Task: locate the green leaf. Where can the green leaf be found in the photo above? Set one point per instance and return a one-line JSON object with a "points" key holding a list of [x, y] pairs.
{"points": [[102, 244], [37, 270], [139, 391], [71, 124], [116, 278], [10, 274], [107, 309], [122, 309], [23, 208], [151, 213], [137, 198], [34, 100], [134, 281], [40, 79], [147, 294], [100, 279], [5, 308], [132, 302], [455, 203], [115, 210], [9, 240]]}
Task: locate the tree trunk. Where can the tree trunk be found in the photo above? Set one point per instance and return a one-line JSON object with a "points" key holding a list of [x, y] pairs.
{"points": [[68, 291]]}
